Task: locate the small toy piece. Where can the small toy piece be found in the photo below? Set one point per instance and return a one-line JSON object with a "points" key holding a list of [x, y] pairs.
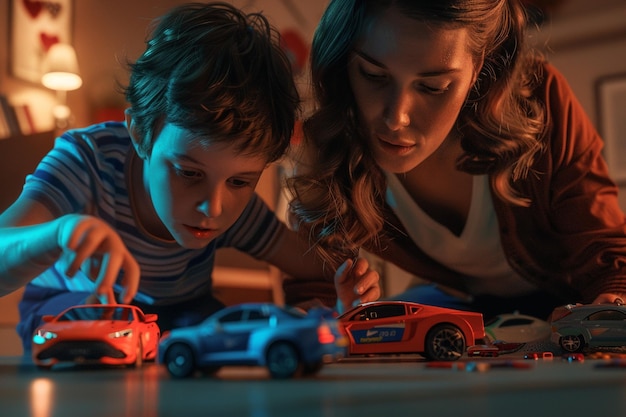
{"points": [[611, 364], [573, 357], [109, 334], [397, 327], [589, 326], [494, 349], [287, 341], [478, 366], [517, 327], [547, 355]]}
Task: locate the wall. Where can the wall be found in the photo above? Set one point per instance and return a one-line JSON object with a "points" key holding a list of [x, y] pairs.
{"points": [[587, 41], [106, 33]]}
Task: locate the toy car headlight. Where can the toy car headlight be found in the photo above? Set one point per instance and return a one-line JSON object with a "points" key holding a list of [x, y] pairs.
{"points": [[42, 336], [121, 333]]}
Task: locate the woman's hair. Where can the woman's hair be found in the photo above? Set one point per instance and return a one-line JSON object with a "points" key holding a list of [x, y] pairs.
{"points": [[339, 202], [219, 73]]}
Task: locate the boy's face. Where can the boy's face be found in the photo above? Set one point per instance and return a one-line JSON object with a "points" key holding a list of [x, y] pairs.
{"points": [[198, 191]]}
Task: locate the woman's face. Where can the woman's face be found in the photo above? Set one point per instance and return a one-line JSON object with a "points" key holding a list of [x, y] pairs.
{"points": [[410, 80], [198, 191]]}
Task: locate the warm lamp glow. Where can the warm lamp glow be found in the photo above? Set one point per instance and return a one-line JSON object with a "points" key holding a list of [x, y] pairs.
{"points": [[60, 68]]}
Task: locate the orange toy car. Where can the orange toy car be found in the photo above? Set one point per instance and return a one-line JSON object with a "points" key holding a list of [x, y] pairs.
{"points": [[396, 327], [110, 334]]}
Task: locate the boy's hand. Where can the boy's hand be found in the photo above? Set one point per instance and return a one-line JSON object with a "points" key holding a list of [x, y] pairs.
{"points": [[96, 249], [356, 283]]}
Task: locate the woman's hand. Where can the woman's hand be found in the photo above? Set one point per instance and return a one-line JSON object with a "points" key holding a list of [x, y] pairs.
{"points": [[97, 250], [355, 283], [609, 298]]}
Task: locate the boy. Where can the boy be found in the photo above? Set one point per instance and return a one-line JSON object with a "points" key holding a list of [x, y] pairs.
{"points": [[134, 211]]}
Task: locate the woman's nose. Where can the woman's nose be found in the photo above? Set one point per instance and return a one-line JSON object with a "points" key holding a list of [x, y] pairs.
{"points": [[397, 111]]}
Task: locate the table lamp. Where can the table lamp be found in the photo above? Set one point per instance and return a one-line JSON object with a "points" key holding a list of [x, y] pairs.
{"points": [[60, 73]]}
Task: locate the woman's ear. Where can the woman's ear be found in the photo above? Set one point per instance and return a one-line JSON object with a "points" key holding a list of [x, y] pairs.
{"points": [[134, 134], [478, 67]]}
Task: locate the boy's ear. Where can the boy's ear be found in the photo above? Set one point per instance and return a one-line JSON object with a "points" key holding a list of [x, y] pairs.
{"points": [[134, 135]]}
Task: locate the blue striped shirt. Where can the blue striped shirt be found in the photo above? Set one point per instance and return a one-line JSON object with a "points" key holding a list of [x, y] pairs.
{"points": [[85, 173]]}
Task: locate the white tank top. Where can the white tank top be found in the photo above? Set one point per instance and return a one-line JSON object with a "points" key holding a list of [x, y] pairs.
{"points": [[477, 252]]}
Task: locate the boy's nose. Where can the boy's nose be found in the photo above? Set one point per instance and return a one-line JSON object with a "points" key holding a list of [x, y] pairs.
{"points": [[211, 205], [204, 207]]}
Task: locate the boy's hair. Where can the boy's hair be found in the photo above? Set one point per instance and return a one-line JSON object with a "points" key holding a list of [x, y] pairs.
{"points": [[219, 73]]}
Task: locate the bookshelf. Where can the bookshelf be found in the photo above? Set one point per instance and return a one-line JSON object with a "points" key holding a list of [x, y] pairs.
{"points": [[19, 156]]}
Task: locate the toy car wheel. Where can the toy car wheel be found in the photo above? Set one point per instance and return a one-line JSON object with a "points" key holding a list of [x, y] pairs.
{"points": [[179, 360], [572, 343], [444, 342], [282, 360]]}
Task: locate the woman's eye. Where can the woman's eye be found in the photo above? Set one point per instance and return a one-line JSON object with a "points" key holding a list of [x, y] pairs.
{"points": [[433, 90], [372, 76]]}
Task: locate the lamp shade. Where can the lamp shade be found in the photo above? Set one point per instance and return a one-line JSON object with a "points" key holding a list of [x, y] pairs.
{"points": [[60, 68]]}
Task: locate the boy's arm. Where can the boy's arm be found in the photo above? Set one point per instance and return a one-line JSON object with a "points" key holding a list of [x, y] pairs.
{"points": [[32, 240], [28, 245], [310, 283]]}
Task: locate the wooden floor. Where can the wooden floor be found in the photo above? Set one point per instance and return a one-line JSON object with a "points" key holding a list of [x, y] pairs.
{"points": [[364, 388]]}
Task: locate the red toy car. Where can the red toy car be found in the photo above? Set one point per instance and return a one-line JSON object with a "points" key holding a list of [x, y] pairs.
{"points": [[396, 327], [110, 334]]}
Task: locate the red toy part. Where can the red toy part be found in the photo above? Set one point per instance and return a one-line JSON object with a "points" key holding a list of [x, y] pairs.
{"points": [[110, 334], [296, 49]]}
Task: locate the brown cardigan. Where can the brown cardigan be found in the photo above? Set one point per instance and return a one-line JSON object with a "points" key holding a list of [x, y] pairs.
{"points": [[570, 241]]}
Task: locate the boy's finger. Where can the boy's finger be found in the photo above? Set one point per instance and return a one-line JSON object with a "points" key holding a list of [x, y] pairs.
{"points": [[130, 280], [360, 266], [370, 280]]}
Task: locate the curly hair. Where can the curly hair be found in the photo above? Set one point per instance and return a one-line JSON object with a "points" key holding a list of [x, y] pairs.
{"points": [[219, 73], [341, 201]]}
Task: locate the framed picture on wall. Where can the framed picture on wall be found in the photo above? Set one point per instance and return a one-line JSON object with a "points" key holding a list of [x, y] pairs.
{"points": [[611, 96], [35, 27]]}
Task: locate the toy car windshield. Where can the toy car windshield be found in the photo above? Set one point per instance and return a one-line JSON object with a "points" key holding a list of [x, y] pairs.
{"points": [[97, 313]]}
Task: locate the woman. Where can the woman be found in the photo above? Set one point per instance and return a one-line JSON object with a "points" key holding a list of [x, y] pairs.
{"points": [[441, 143]]}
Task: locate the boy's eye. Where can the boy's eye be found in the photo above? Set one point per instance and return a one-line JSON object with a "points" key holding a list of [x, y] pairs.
{"points": [[187, 173]]}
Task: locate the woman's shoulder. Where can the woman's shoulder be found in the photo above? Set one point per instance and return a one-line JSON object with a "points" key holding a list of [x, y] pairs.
{"points": [[553, 85]]}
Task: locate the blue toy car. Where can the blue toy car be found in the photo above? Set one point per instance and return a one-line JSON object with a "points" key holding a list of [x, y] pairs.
{"points": [[288, 342]]}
